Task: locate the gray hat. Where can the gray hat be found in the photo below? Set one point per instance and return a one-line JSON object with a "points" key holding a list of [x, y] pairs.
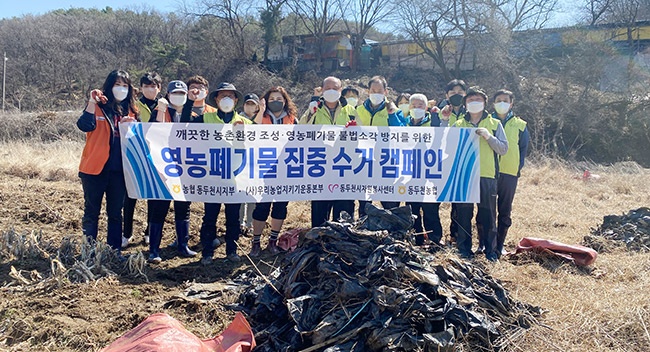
{"points": [[224, 86], [177, 86]]}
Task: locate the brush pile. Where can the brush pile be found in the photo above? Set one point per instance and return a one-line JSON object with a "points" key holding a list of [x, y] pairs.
{"points": [[363, 287], [631, 230]]}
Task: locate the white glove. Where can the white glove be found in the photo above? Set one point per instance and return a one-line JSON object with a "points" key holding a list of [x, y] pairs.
{"points": [[483, 132], [162, 104], [313, 106]]}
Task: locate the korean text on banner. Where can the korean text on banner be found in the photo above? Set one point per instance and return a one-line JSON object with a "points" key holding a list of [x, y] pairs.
{"points": [[222, 163]]}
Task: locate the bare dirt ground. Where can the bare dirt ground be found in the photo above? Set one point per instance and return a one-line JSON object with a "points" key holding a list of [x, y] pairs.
{"points": [[601, 308]]}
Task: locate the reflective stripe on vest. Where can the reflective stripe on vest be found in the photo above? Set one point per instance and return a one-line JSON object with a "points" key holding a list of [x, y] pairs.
{"points": [[98, 145]]}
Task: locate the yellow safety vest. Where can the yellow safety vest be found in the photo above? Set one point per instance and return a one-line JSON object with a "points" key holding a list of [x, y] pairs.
{"points": [[342, 115], [145, 113], [509, 163], [489, 158], [366, 118]]}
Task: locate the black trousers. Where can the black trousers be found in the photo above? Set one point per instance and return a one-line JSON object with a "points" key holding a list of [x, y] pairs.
{"points": [[128, 211], [321, 210], [485, 221], [262, 211], [209, 227], [506, 188], [429, 216], [111, 184], [157, 210]]}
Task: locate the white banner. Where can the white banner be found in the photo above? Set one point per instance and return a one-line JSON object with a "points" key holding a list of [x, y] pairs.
{"points": [[220, 163]]}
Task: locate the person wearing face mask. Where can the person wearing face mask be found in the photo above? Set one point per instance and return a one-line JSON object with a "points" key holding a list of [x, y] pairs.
{"points": [[452, 109], [276, 107], [351, 96], [250, 110], [420, 116], [511, 163], [150, 84], [196, 107], [403, 104], [492, 144], [331, 109], [378, 111], [449, 111], [169, 110], [100, 168], [224, 99]]}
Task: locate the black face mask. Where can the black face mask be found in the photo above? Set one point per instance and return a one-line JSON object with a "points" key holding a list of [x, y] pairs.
{"points": [[456, 99], [275, 106]]}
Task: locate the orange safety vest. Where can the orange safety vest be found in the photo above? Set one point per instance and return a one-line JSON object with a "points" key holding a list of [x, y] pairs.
{"points": [[97, 148], [287, 120]]}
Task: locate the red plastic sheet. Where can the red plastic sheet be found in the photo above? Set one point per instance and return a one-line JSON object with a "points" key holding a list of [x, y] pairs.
{"points": [[160, 332], [580, 255]]}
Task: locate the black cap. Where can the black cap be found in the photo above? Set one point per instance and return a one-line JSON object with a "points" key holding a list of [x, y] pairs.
{"points": [[253, 97]]}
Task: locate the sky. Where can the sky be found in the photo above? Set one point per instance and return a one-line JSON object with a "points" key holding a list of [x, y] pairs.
{"points": [[565, 15]]}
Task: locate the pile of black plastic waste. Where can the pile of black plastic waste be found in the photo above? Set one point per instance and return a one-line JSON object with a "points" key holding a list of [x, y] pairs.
{"points": [[362, 287], [631, 230]]}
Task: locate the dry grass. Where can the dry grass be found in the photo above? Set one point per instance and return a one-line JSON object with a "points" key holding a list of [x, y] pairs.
{"points": [[604, 308]]}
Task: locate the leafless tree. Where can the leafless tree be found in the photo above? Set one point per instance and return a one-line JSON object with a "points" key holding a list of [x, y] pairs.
{"points": [[319, 18], [359, 16], [237, 15]]}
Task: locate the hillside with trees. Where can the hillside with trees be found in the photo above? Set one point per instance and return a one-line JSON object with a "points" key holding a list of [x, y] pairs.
{"points": [[56, 58]]}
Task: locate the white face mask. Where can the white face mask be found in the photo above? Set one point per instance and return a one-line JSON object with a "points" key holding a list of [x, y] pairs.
{"points": [[202, 94], [226, 104], [352, 101], [331, 95], [502, 107], [377, 99], [150, 93], [475, 106], [177, 99], [418, 114], [120, 93], [404, 108]]}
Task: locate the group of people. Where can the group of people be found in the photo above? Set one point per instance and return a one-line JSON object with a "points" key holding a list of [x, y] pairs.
{"points": [[503, 146]]}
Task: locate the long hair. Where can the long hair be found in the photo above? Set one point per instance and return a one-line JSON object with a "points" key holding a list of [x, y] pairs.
{"points": [[107, 89], [289, 106]]}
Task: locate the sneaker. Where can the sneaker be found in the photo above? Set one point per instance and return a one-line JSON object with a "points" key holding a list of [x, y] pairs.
{"points": [[146, 239], [234, 257], [125, 241], [205, 261], [173, 244], [154, 259], [480, 250], [186, 252]]}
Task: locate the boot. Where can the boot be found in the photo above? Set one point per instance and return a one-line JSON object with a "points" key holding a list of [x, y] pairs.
{"points": [[155, 236], [272, 247], [255, 250], [182, 237]]}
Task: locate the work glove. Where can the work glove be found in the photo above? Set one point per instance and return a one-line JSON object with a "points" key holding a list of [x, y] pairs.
{"points": [[483, 132], [97, 96]]}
